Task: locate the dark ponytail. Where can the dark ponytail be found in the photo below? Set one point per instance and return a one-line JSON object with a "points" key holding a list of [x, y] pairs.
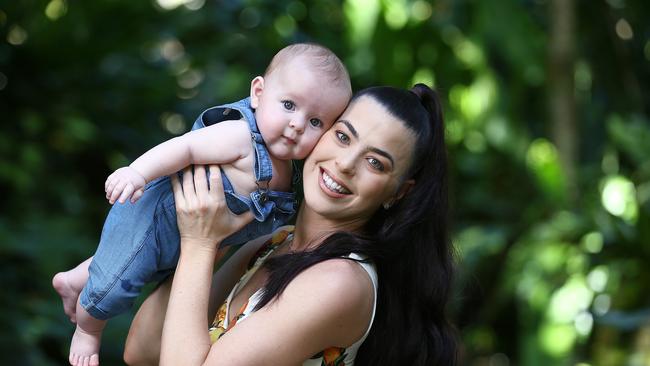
{"points": [[409, 244]]}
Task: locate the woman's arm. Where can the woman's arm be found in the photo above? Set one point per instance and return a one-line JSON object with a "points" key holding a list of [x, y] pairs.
{"points": [[142, 345], [203, 220]]}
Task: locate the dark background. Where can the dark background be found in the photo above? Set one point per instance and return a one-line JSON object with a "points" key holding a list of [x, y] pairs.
{"points": [[546, 105]]}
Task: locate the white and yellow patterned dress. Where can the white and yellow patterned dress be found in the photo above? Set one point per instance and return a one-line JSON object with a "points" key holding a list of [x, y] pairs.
{"points": [[333, 356]]}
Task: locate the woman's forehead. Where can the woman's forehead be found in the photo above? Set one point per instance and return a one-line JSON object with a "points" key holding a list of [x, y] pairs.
{"points": [[371, 124], [367, 114]]}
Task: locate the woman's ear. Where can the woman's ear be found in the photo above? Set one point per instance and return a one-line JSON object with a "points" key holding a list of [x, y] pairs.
{"points": [[404, 189], [257, 87], [401, 192]]}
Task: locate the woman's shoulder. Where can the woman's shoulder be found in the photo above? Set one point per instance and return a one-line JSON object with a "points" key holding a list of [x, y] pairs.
{"points": [[338, 282], [338, 294], [345, 272]]}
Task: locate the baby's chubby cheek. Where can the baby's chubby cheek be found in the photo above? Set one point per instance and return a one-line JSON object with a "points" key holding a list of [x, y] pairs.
{"points": [[308, 147]]}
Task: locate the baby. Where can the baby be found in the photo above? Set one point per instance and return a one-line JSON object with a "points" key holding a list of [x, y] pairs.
{"points": [[303, 90]]}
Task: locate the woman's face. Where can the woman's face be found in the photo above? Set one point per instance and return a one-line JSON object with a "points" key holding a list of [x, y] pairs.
{"points": [[359, 164]]}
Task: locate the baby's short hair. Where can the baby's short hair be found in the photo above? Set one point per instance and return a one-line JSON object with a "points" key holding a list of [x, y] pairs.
{"points": [[321, 58]]}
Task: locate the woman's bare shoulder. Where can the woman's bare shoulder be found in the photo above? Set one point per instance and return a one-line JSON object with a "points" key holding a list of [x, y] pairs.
{"points": [[339, 275], [339, 294]]}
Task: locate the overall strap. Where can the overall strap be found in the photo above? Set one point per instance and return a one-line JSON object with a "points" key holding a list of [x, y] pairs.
{"points": [[237, 111], [263, 170]]}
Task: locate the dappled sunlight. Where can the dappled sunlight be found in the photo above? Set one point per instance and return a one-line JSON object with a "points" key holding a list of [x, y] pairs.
{"points": [[173, 4], [361, 22], [55, 9], [421, 10], [552, 256], [285, 25], [469, 53], [475, 141], [475, 100], [592, 242], [171, 49], [17, 35], [597, 278], [567, 316], [618, 197], [543, 161], [624, 29], [557, 339], [190, 79], [424, 76], [173, 123], [396, 14], [497, 131], [601, 304], [583, 323]]}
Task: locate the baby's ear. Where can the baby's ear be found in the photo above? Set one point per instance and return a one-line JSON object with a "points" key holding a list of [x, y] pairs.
{"points": [[257, 87]]}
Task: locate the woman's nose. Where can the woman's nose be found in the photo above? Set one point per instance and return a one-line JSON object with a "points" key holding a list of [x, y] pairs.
{"points": [[345, 163]]}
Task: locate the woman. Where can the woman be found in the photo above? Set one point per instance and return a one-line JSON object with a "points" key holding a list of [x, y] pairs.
{"points": [[375, 192]]}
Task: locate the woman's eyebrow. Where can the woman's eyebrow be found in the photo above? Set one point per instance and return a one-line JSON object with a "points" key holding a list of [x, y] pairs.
{"points": [[382, 153], [373, 149], [350, 127]]}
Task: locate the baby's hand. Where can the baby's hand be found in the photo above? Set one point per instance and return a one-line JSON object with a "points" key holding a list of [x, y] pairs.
{"points": [[124, 183]]}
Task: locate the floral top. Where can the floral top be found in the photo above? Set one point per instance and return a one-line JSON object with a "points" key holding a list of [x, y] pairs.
{"points": [[333, 356]]}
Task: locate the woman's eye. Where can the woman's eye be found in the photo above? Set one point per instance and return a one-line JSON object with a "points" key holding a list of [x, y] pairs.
{"points": [[288, 105], [316, 122], [376, 164], [342, 137]]}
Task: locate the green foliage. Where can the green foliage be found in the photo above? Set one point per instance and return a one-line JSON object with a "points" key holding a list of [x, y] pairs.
{"points": [[550, 271]]}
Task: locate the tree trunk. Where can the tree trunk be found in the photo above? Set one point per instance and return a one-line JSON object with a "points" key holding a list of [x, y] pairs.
{"points": [[562, 109]]}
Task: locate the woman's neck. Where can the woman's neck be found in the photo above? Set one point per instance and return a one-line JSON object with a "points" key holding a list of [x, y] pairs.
{"points": [[311, 228]]}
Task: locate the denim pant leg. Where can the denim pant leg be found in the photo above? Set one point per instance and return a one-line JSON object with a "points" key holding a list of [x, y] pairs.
{"points": [[139, 244]]}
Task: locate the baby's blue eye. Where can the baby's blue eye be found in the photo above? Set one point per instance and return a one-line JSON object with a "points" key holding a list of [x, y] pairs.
{"points": [[288, 105], [316, 122], [343, 137]]}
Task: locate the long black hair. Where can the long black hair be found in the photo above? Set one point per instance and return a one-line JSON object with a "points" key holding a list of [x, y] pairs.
{"points": [[408, 243]]}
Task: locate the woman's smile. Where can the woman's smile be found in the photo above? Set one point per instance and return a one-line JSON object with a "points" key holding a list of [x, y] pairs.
{"points": [[331, 185]]}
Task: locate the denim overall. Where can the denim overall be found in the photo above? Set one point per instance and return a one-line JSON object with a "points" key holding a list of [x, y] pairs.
{"points": [[140, 242]]}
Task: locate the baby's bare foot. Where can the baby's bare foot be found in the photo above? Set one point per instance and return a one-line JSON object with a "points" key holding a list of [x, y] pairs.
{"points": [[84, 349], [68, 293]]}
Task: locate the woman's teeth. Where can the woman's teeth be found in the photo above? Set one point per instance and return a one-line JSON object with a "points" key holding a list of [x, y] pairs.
{"points": [[333, 186]]}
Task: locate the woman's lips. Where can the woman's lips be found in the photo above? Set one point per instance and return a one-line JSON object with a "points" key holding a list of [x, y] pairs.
{"points": [[331, 186]]}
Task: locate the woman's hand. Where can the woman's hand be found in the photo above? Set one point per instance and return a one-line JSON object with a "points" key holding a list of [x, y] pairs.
{"points": [[203, 216]]}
